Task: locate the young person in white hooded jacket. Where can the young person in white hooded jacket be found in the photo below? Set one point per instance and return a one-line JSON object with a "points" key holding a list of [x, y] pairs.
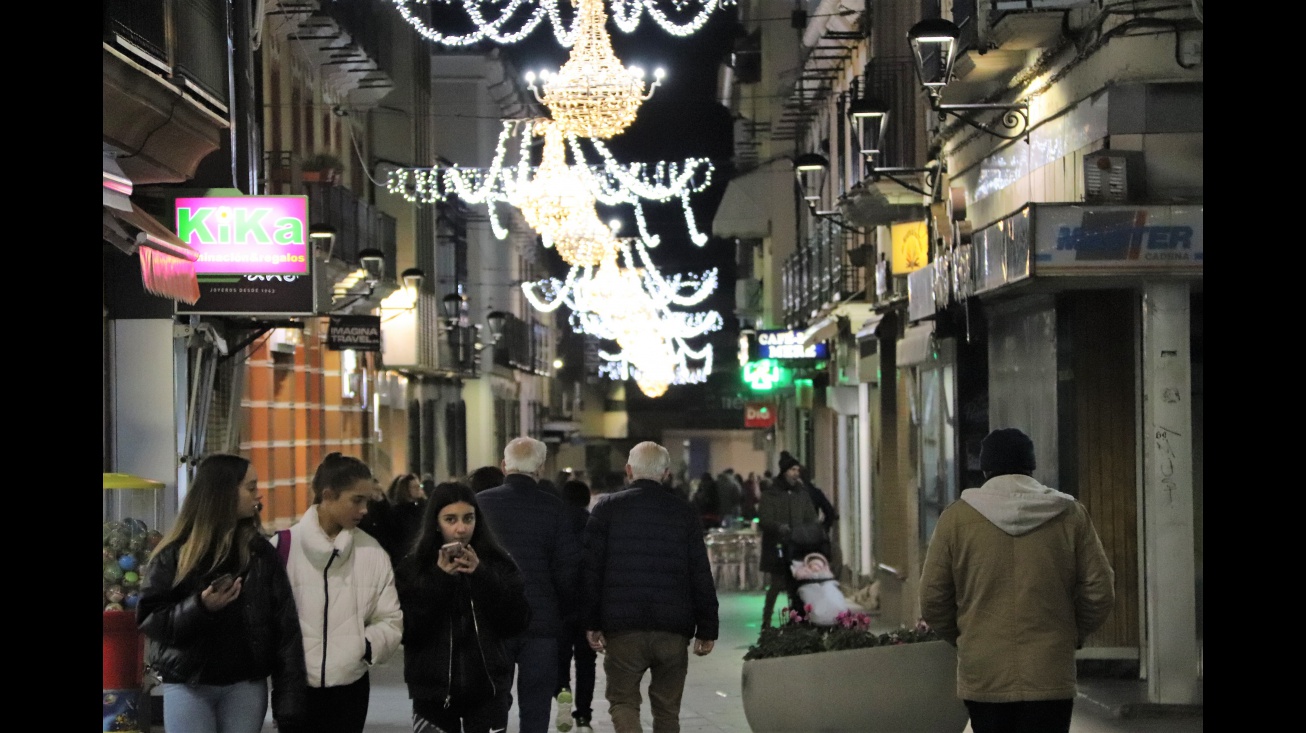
{"points": [[344, 589]]}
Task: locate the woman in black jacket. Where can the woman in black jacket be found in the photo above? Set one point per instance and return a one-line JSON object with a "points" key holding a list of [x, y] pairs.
{"points": [[218, 611], [462, 595]]}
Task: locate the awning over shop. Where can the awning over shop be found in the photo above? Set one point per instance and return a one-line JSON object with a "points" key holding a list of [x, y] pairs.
{"points": [[824, 329], [828, 327], [868, 328], [751, 201], [167, 263], [914, 346]]}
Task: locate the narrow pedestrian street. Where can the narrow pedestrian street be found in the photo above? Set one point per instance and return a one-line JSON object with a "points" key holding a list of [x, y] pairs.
{"points": [[712, 702]]}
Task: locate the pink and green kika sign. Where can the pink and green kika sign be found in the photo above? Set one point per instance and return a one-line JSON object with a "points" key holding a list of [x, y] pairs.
{"points": [[246, 235]]}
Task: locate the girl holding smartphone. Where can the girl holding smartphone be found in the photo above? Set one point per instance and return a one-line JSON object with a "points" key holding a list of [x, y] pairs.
{"points": [[462, 595], [218, 612]]}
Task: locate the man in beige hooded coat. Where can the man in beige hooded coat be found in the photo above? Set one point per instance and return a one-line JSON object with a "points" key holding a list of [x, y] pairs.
{"points": [[1015, 578]]}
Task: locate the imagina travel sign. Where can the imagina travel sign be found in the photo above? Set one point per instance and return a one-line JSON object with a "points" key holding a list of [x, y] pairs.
{"points": [[246, 235]]}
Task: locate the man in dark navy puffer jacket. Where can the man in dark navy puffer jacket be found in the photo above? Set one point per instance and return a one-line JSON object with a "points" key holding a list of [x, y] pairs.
{"points": [[535, 528], [647, 590]]}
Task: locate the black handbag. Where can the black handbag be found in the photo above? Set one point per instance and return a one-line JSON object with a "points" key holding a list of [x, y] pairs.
{"points": [[807, 535]]}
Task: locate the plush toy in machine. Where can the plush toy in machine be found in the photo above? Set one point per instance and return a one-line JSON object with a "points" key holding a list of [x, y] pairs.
{"points": [[818, 588]]}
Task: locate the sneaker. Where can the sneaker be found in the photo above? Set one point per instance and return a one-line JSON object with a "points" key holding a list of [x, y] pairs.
{"points": [[563, 723], [583, 724]]}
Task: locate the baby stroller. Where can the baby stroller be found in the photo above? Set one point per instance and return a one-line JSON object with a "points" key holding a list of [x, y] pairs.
{"points": [[814, 585]]}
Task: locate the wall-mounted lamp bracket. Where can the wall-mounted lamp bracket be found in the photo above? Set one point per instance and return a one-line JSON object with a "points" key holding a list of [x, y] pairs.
{"points": [[1015, 118]]}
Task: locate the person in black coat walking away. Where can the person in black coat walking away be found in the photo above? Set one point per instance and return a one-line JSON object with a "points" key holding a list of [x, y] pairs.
{"points": [[648, 591], [707, 499], [218, 611], [535, 528], [462, 596], [573, 644], [394, 517], [408, 504], [485, 477]]}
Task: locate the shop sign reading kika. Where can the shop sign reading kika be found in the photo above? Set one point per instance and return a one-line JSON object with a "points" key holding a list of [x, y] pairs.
{"points": [[246, 235]]}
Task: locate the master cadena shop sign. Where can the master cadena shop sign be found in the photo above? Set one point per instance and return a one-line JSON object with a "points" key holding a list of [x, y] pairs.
{"points": [[254, 254]]}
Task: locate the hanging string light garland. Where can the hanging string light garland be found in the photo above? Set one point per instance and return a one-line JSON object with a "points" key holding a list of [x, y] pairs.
{"points": [[612, 183], [502, 25]]}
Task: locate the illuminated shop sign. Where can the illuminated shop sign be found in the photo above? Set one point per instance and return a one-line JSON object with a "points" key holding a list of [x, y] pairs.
{"points": [[1121, 237], [246, 235], [788, 345], [759, 415], [764, 375]]}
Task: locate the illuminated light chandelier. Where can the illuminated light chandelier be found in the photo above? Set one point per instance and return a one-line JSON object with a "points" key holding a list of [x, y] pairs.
{"points": [[583, 240], [631, 306], [507, 22], [650, 374], [593, 95], [556, 192], [558, 203], [612, 183], [642, 279]]}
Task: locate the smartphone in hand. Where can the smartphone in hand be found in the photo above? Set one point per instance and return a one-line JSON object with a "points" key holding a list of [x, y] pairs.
{"points": [[223, 582], [452, 550]]}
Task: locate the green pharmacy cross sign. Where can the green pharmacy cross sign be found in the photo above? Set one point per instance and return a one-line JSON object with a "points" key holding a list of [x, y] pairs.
{"points": [[763, 375]]}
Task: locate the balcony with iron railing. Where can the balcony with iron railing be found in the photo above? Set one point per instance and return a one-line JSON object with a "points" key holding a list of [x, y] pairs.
{"points": [[188, 40], [358, 225], [523, 346], [821, 275], [165, 68]]}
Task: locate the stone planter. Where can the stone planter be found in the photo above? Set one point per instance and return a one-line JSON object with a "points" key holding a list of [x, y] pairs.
{"points": [[904, 688]]}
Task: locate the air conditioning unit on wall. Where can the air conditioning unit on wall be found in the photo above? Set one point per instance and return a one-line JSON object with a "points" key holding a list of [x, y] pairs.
{"points": [[1113, 177]]}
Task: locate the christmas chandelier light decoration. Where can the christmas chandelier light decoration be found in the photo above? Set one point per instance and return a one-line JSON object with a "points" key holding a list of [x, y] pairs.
{"points": [[558, 203], [593, 95], [653, 376], [631, 306], [612, 183], [511, 21]]}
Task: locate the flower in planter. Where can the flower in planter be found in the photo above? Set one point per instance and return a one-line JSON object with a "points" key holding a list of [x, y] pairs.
{"points": [[797, 635]]}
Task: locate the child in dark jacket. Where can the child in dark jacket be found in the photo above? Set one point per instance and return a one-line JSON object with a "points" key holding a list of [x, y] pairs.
{"points": [[462, 595]]}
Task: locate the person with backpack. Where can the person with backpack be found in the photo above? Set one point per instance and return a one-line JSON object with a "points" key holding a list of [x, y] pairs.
{"points": [[344, 589]]}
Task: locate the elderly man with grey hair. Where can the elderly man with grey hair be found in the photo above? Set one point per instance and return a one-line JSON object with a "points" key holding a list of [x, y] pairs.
{"points": [[647, 591], [536, 529]]}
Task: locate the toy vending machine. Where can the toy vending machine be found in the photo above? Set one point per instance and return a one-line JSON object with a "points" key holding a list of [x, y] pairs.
{"points": [[128, 542]]}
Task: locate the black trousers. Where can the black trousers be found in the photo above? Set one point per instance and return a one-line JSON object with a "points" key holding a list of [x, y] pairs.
{"points": [[491, 714], [341, 709], [574, 645], [1029, 716]]}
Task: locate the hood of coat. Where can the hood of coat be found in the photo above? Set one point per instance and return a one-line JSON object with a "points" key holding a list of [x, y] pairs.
{"points": [[1017, 504], [315, 543]]}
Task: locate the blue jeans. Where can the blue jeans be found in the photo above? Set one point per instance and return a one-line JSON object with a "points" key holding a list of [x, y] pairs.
{"points": [[234, 708], [536, 659]]}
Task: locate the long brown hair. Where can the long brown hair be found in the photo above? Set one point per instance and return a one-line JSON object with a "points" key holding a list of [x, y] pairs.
{"points": [[207, 524]]}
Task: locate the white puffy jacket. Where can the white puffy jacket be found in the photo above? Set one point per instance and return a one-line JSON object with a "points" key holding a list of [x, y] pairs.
{"points": [[345, 591]]}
